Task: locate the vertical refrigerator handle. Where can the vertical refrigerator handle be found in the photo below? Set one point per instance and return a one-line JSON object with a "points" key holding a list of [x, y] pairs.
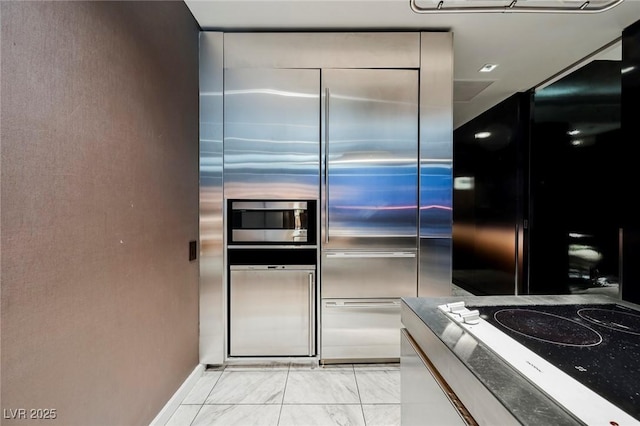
{"points": [[312, 317], [326, 165]]}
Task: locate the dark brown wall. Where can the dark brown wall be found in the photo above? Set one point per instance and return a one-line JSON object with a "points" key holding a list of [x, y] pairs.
{"points": [[99, 198]]}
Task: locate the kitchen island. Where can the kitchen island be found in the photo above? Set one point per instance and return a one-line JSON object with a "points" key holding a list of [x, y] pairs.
{"points": [[450, 376]]}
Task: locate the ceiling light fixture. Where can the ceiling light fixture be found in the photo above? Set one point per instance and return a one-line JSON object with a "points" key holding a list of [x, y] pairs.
{"points": [[482, 135], [488, 67], [573, 132], [511, 6]]}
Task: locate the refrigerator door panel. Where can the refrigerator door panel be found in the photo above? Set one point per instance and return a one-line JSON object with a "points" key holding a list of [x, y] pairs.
{"points": [[271, 139], [362, 274], [369, 158], [360, 329], [272, 311]]}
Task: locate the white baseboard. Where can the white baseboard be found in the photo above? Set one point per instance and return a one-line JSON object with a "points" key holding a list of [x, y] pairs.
{"points": [[172, 405]]}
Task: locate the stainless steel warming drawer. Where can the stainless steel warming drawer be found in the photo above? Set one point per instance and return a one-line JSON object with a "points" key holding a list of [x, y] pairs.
{"points": [[369, 274], [360, 329], [272, 310]]}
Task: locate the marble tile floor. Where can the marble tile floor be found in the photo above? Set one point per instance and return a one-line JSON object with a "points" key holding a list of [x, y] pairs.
{"points": [[294, 395]]}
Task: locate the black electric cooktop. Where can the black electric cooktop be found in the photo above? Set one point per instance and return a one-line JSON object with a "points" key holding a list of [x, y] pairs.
{"points": [[597, 345]]}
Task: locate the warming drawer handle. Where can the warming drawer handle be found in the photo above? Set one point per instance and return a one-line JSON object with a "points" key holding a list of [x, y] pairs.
{"points": [[365, 254], [359, 304], [312, 318]]}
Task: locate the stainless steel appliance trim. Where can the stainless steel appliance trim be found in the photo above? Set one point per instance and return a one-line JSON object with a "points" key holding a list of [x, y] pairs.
{"points": [[269, 205], [271, 246], [269, 235], [361, 304], [274, 267], [371, 254]]}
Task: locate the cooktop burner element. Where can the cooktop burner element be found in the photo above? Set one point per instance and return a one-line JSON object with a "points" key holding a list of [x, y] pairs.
{"points": [[585, 357], [546, 327], [614, 320]]}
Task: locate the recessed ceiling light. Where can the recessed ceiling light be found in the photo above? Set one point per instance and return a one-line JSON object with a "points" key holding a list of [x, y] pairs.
{"points": [[576, 142], [482, 135], [488, 67], [573, 132]]}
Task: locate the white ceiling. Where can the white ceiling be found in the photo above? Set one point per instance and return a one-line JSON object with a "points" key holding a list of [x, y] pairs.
{"points": [[529, 47]]}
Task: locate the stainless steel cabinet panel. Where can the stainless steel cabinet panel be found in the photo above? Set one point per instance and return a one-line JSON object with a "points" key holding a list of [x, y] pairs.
{"points": [[435, 267], [360, 329], [322, 50], [369, 274], [272, 311], [436, 163], [422, 396], [369, 157], [271, 133], [212, 306], [436, 135]]}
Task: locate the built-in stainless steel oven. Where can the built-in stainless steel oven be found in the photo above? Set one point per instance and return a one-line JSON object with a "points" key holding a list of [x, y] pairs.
{"points": [[272, 263], [272, 222]]}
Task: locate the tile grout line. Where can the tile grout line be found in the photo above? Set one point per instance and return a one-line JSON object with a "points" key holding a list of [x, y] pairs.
{"points": [[286, 381], [205, 398], [355, 377]]}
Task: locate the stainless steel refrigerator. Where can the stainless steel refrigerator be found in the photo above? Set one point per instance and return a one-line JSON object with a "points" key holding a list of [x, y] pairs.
{"points": [[369, 209]]}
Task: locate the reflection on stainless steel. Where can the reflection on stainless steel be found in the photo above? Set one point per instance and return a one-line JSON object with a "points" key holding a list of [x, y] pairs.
{"points": [[211, 203], [436, 164], [271, 133], [369, 156], [272, 310]]}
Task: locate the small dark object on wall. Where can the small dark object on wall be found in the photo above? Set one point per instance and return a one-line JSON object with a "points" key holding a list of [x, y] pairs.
{"points": [[193, 250]]}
